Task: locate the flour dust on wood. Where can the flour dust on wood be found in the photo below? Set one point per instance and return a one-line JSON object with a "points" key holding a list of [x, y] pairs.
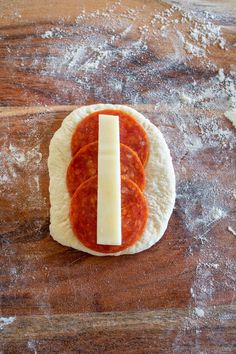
{"points": [[168, 63]]}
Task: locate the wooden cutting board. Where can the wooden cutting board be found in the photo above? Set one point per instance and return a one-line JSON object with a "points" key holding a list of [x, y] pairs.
{"points": [[179, 295]]}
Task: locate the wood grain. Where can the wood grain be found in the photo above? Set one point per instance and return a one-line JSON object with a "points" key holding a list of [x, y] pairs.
{"points": [[207, 5], [177, 297], [32, 73], [141, 332]]}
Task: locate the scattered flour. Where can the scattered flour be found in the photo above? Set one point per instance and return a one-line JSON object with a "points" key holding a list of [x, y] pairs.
{"points": [[54, 32], [199, 312], [186, 99], [154, 67], [194, 50], [231, 115], [32, 344], [207, 34], [6, 321], [221, 75], [217, 213], [21, 168], [47, 34], [230, 229]]}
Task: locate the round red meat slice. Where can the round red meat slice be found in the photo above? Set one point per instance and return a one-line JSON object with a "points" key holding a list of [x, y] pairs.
{"points": [[131, 133], [83, 215], [85, 165]]}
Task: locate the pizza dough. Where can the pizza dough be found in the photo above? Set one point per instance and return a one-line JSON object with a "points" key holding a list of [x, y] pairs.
{"points": [[159, 188]]}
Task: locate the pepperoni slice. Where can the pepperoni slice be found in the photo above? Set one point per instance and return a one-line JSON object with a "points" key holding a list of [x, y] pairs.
{"points": [[85, 165], [131, 133], [83, 214]]}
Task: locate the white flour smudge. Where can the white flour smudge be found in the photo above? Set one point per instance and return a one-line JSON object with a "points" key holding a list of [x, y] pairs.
{"points": [[230, 229], [6, 321], [32, 344], [231, 115], [199, 312], [14, 163]]}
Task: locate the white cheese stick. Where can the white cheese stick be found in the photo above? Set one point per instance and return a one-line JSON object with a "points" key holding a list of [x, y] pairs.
{"points": [[109, 182]]}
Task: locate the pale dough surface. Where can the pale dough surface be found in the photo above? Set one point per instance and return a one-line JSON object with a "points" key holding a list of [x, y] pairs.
{"points": [[159, 190]]}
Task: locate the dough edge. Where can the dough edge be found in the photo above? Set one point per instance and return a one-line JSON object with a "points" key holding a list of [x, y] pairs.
{"points": [[159, 189]]}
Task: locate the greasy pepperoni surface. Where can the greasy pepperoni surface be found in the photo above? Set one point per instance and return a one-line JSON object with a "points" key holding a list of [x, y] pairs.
{"points": [[85, 165], [83, 214], [131, 133]]}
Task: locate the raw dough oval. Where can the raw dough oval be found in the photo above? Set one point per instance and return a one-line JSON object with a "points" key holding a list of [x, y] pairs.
{"points": [[159, 188]]}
